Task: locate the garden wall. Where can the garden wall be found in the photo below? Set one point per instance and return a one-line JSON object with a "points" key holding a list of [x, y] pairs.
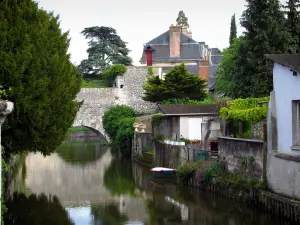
{"points": [[243, 156]]}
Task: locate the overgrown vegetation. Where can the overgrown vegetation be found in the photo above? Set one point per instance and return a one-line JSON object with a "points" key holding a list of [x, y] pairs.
{"points": [[177, 84], [92, 84], [247, 109], [118, 125], [210, 172], [109, 75]]}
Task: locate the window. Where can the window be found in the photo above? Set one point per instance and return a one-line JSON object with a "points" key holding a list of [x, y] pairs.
{"points": [[296, 122]]}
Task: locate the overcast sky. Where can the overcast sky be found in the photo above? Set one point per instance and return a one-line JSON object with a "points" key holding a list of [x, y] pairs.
{"points": [[139, 21]]}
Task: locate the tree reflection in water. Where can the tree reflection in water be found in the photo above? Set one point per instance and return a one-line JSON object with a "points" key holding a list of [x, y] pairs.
{"points": [[107, 215], [35, 210], [118, 178]]}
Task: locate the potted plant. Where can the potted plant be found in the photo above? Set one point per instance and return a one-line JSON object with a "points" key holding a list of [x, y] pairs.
{"points": [[136, 126], [172, 141], [167, 141], [142, 127]]}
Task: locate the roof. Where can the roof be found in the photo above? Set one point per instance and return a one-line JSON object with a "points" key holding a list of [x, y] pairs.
{"points": [[216, 59], [214, 51], [190, 68], [289, 60], [189, 109], [189, 49]]}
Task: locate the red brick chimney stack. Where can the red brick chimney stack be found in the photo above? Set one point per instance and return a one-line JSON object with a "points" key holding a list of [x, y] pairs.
{"points": [[175, 40], [149, 51]]}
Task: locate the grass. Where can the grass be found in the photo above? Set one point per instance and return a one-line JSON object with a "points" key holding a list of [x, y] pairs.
{"points": [[78, 129], [92, 84]]}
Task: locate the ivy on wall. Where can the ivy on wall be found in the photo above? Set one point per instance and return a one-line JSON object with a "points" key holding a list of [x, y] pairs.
{"points": [[247, 109]]}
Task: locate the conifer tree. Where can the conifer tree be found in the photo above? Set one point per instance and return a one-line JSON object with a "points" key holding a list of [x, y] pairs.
{"points": [[182, 20], [36, 72], [265, 34], [293, 23], [232, 31]]}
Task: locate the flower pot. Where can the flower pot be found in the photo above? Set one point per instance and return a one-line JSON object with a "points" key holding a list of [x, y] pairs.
{"points": [[136, 127]]}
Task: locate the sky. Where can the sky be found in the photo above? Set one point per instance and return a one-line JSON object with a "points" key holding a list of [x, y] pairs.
{"points": [[139, 21]]}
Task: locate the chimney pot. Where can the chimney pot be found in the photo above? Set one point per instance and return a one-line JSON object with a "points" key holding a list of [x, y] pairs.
{"points": [[149, 51]]}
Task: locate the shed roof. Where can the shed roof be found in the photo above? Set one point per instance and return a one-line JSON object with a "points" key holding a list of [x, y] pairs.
{"points": [[289, 60], [190, 109]]}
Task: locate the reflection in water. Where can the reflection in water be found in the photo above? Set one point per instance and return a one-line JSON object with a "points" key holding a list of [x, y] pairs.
{"points": [[35, 210], [80, 152], [97, 188]]}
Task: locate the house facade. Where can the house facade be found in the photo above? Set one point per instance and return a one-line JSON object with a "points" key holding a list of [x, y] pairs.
{"points": [[283, 161], [176, 46]]}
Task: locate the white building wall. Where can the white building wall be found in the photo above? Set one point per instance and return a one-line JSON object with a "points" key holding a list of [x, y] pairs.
{"points": [[190, 127], [287, 89]]}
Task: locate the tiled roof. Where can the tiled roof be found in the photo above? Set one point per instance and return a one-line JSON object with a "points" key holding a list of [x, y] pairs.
{"points": [[214, 51], [289, 60], [189, 109], [189, 49]]}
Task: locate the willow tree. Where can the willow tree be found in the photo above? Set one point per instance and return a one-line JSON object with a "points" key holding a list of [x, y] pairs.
{"points": [[37, 75]]}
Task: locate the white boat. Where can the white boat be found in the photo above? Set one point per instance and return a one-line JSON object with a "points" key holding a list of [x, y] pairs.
{"points": [[163, 172]]}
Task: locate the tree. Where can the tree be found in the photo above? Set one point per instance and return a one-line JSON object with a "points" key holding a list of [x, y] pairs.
{"points": [[178, 83], [265, 34], [105, 48], [232, 36], [182, 20], [37, 74], [293, 23], [227, 69]]}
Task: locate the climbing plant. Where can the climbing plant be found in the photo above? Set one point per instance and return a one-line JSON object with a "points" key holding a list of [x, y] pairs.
{"points": [[109, 75], [247, 109]]}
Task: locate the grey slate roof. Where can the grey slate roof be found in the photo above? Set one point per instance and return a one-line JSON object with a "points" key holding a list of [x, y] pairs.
{"points": [[189, 109], [289, 60], [216, 59], [189, 49], [190, 68], [214, 51]]}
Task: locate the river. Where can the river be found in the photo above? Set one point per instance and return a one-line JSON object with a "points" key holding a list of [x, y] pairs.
{"points": [[84, 183]]}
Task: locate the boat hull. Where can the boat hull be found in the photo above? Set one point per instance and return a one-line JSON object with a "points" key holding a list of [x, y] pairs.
{"points": [[164, 174]]}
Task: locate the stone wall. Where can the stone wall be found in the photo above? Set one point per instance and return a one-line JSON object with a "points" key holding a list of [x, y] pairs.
{"points": [[258, 130], [97, 100], [243, 156], [283, 174]]}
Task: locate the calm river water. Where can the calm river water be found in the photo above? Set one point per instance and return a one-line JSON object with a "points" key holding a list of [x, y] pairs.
{"points": [[85, 184]]}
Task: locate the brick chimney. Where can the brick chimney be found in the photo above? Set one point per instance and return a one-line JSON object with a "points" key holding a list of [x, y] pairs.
{"points": [[175, 40], [203, 69], [149, 51]]}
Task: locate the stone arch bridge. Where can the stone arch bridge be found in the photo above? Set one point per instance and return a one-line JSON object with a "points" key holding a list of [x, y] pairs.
{"points": [[127, 91]]}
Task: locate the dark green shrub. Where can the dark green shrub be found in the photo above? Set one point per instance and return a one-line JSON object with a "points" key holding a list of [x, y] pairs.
{"points": [[185, 171], [125, 134], [112, 117]]}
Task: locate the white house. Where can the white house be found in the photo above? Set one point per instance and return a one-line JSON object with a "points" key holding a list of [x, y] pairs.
{"points": [[283, 164]]}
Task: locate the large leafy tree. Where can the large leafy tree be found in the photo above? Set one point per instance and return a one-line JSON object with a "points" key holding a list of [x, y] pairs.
{"points": [[182, 20], [265, 34], [227, 69], [37, 74], [105, 48], [232, 36], [178, 83], [293, 23]]}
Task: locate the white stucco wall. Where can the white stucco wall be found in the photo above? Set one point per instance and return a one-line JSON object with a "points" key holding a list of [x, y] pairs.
{"points": [[287, 89], [190, 127]]}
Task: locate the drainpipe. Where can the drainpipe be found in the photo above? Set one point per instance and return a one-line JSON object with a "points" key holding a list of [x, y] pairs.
{"points": [[5, 109]]}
